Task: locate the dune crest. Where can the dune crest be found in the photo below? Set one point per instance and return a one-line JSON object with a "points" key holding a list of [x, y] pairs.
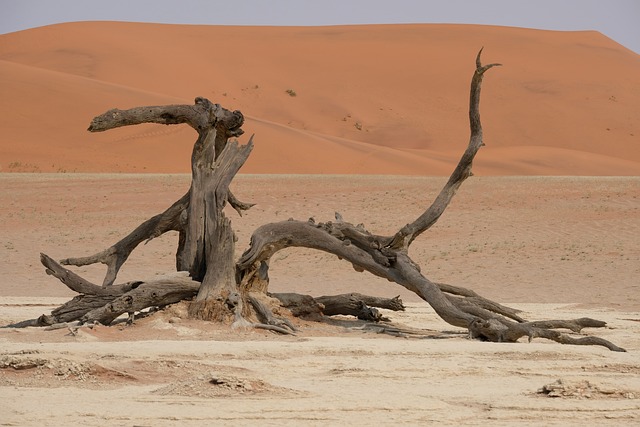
{"points": [[369, 99]]}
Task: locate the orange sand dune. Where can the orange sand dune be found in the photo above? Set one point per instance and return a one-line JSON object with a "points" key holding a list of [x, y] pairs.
{"points": [[374, 99]]}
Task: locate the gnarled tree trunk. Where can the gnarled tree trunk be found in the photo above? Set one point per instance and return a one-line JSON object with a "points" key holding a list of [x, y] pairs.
{"points": [[218, 294], [206, 242], [237, 292]]}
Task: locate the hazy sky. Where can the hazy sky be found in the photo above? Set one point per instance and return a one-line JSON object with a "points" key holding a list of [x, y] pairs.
{"points": [[617, 19]]}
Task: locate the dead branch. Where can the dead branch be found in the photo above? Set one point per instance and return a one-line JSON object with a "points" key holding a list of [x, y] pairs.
{"points": [[387, 256], [206, 246], [116, 255], [153, 293], [409, 232]]}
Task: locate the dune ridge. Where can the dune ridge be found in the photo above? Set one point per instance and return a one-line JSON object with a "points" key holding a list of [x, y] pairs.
{"points": [[369, 99]]}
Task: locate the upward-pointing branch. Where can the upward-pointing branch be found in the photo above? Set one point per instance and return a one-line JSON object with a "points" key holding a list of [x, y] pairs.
{"points": [[409, 232]]}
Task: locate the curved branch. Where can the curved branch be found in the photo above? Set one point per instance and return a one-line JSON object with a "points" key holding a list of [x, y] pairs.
{"points": [[237, 205], [270, 238], [79, 284], [200, 116], [399, 268], [409, 232], [115, 256], [266, 316], [497, 330], [203, 116], [566, 339], [161, 291], [485, 309], [575, 325], [472, 297]]}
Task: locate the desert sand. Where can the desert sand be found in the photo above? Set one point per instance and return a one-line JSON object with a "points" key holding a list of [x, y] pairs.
{"points": [[562, 247], [374, 99], [378, 120]]}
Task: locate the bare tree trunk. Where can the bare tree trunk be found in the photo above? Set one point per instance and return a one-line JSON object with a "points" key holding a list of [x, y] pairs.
{"points": [[213, 232], [206, 242], [214, 125], [206, 245]]}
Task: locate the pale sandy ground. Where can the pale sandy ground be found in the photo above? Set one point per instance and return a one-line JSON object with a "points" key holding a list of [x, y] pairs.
{"points": [[554, 247]]}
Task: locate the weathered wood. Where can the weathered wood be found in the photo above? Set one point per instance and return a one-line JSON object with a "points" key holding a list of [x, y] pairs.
{"points": [[116, 255], [197, 116], [201, 116], [192, 256], [361, 306], [496, 331], [387, 256], [353, 304], [299, 305], [351, 307], [43, 320], [206, 244], [157, 292], [215, 125], [383, 256], [97, 299], [206, 239], [409, 232], [265, 313], [213, 230], [80, 285], [78, 306], [472, 297], [575, 325], [394, 304]]}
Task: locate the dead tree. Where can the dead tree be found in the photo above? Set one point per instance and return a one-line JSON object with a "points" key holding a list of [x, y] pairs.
{"points": [[237, 291]]}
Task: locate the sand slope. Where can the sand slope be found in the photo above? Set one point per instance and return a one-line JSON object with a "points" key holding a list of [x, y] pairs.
{"points": [[379, 99]]}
